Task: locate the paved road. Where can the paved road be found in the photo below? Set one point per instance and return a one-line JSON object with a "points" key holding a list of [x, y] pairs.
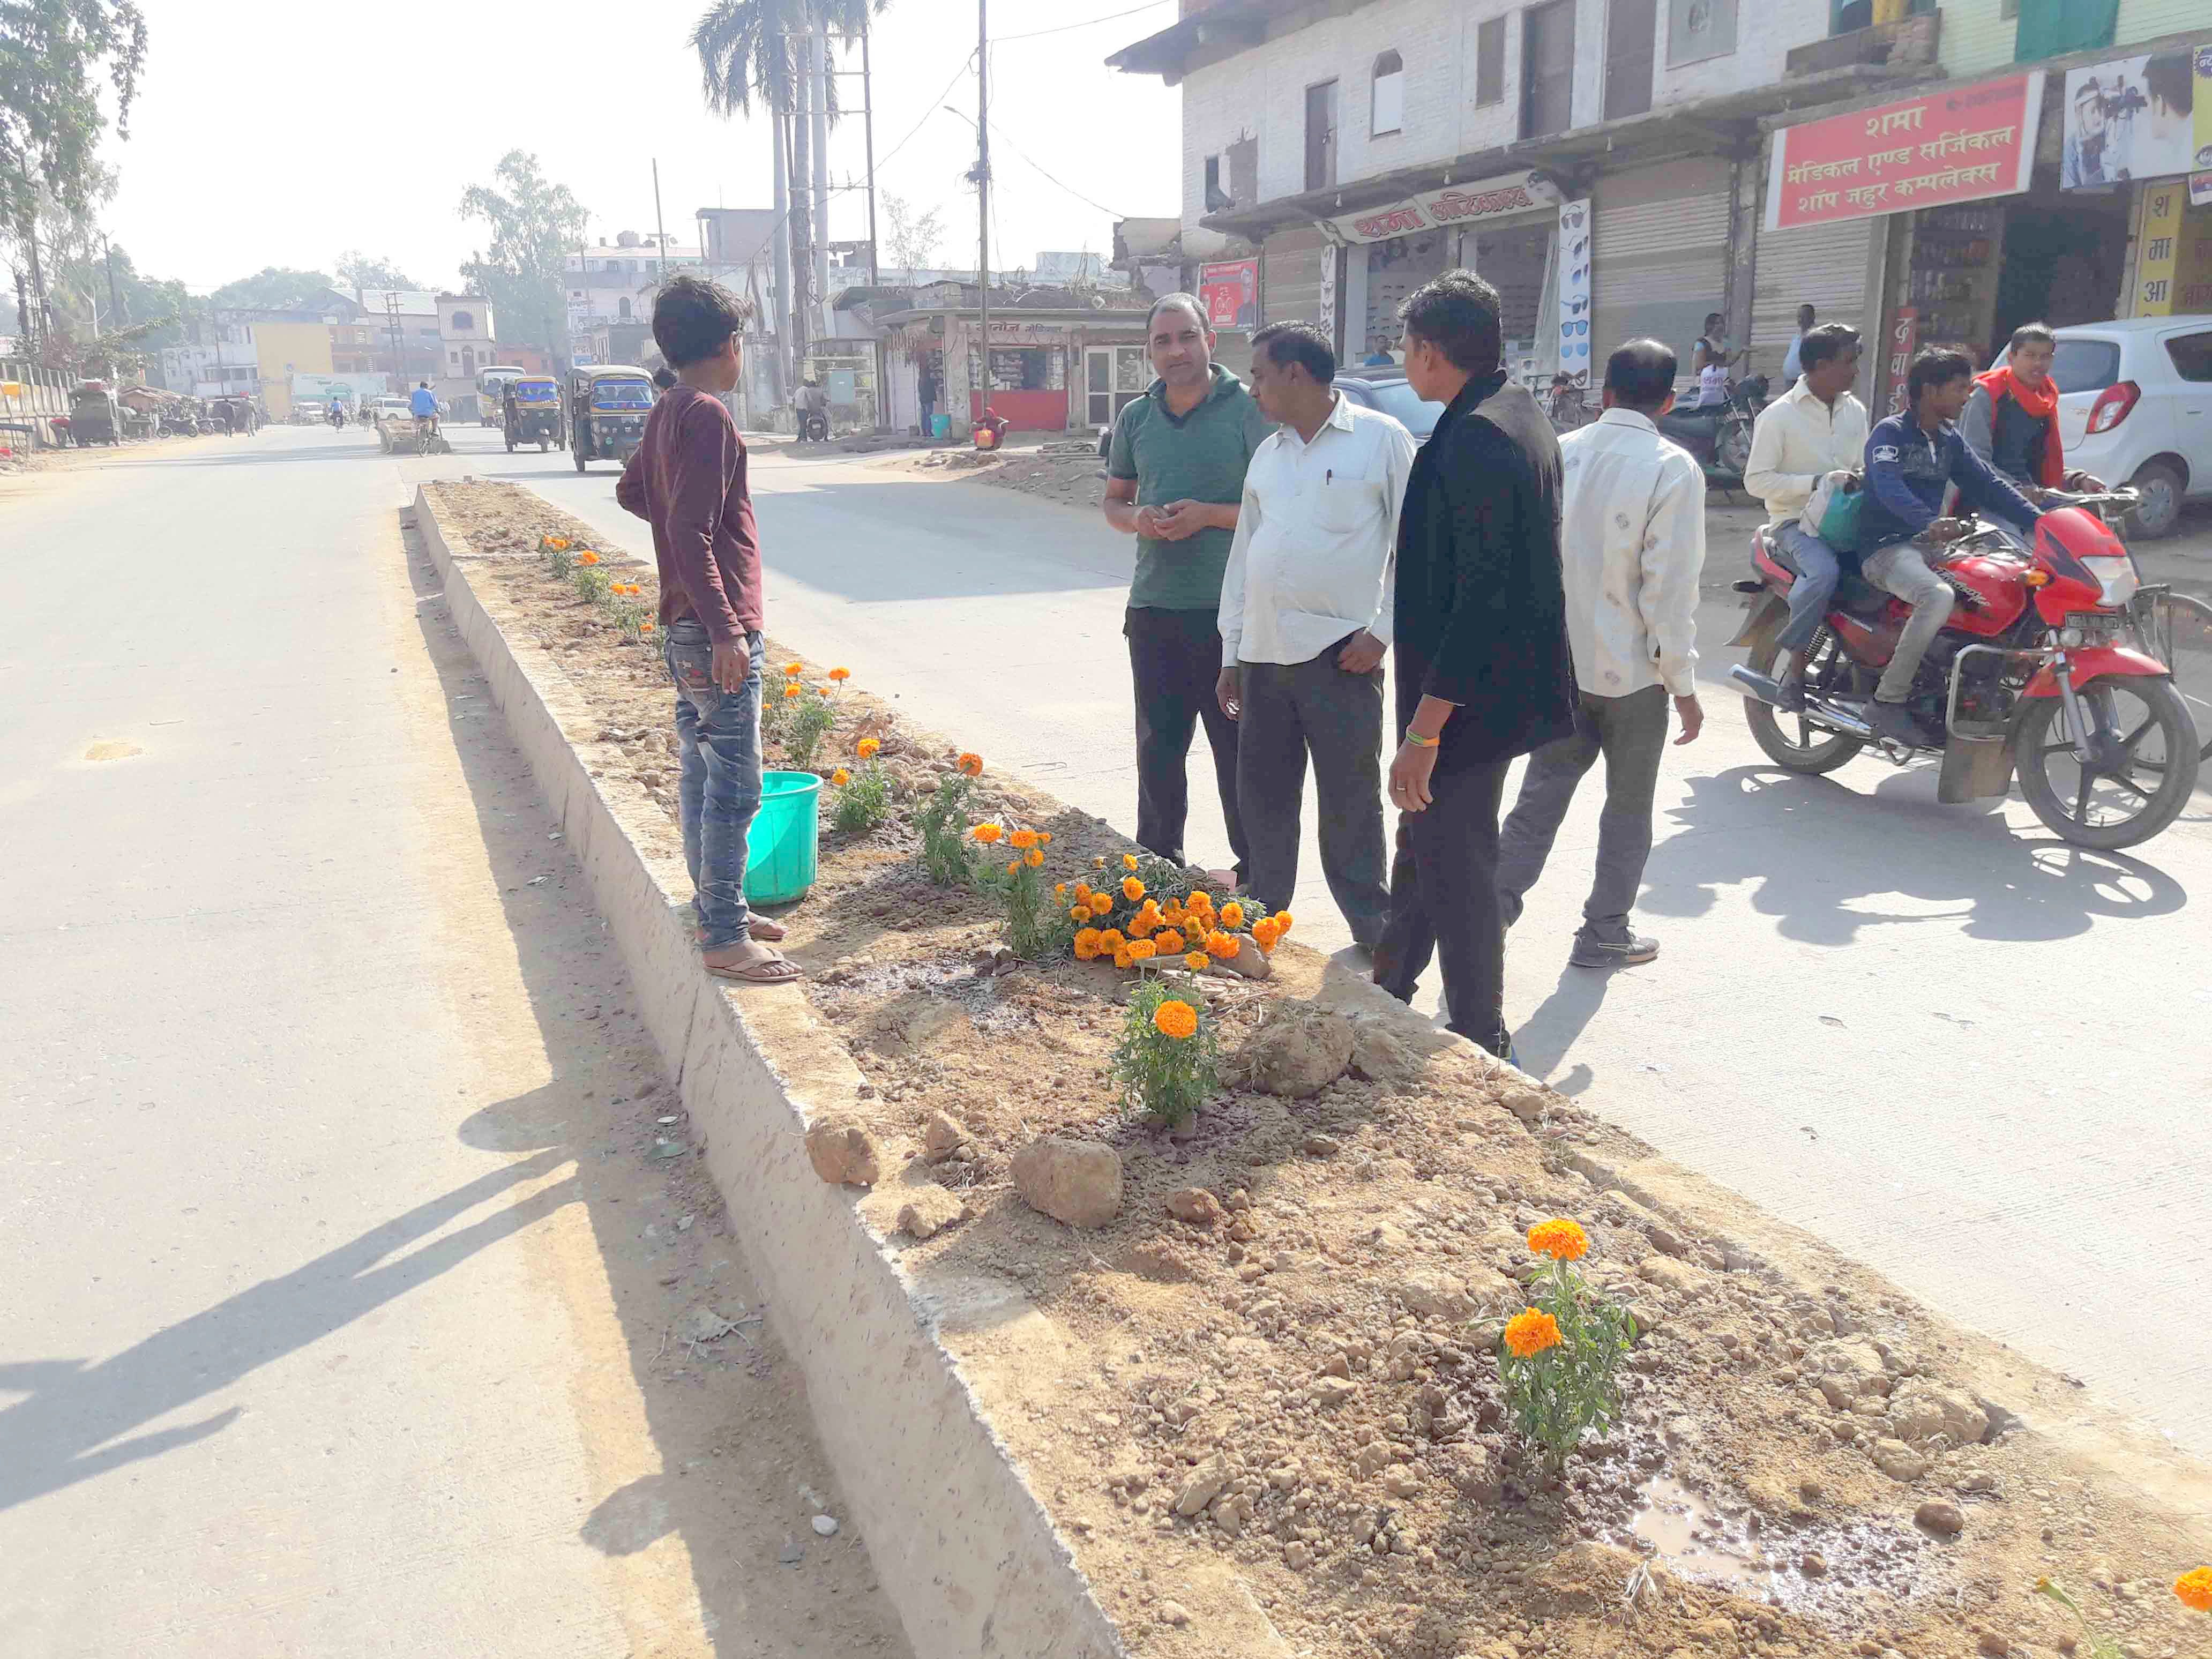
{"points": [[1936, 1036], [340, 1280]]}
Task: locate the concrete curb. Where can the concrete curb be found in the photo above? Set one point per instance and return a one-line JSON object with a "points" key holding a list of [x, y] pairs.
{"points": [[962, 1546]]}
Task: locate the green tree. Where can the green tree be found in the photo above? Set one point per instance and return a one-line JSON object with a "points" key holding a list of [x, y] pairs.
{"points": [[534, 223], [157, 311], [359, 269], [273, 287], [54, 56]]}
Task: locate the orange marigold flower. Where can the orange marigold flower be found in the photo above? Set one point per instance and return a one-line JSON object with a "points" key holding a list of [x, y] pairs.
{"points": [[841, 673], [1123, 959], [1083, 891], [972, 765], [1221, 944], [1033, 857], [644, 628], [1022, 840], [1282, 920], [1140, 925], [587, 557], [841, 777], [986, 833], [789, 690], [1044, 837], [1143, 949], [1132, 889], [1232, 915], [1171, 943], [1129, 860], [867, 747], [1014, 868], [1086, 936], [794, 670], [1175, 1020], [1529, 1333], [2195, 1588], [1100, 904], [1060, 889], [1561, 1240], [1085, 949], [1196, 962], [1111, 939], [1078, 913]]}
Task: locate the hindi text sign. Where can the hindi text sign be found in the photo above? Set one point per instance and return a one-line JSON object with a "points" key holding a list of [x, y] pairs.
{"points": [[1954, 144]]}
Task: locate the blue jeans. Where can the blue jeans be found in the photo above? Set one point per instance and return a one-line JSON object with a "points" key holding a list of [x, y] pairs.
{"points": [[719, 734], [1809, 595]]}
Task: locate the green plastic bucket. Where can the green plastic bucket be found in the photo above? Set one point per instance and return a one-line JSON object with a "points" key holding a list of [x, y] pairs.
{"points": [[780, 847]]}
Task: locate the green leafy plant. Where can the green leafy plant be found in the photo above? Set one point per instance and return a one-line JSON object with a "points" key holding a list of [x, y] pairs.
{"points": [[1168, 1057], [863, 796], [560, 558], [2096, 1646], [1032, 912], [1560, 1359], [629, 616], [943, 822], [807, 720], [590, 582]]}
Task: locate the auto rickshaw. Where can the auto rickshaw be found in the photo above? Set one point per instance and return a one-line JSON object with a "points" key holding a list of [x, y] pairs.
{"points": [[607, 407], [93, 416], [532, 413]]}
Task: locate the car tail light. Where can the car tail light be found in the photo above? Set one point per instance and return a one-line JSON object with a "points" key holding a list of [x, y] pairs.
{"points": [[2115, 578], [2112, 405]]}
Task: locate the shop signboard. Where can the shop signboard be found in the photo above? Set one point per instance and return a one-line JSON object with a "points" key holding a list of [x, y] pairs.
{"points": [[1953, 144], [1574, 257], [1230, 291], [2131, 118], [2200, 190], [1446, 209], [1896, 361], [2159, 249]]}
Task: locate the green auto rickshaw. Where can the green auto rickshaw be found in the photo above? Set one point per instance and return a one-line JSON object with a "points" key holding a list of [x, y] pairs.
{"points": [[607, 407], [532, 411]]}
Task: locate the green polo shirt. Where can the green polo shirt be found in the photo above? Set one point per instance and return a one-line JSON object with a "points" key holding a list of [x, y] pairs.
{"points": [[1198, 456]]}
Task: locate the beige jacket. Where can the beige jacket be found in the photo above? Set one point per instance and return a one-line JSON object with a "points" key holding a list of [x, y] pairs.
{"points": [[1798, 437]]}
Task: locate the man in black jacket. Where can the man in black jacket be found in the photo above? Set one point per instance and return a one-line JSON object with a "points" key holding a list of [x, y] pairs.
{"points": [[1482, 664]]}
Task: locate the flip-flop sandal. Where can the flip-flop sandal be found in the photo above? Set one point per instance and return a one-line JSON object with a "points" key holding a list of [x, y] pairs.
{"points": [[775, 971], [760, 928]]}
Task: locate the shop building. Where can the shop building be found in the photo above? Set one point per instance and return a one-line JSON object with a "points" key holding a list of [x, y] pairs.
{"points": [[1598, 160]]}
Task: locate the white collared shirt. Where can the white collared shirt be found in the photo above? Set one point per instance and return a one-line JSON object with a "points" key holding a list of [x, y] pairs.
{"points": [[1632, 542], [1315, 553], [1797, 438]]}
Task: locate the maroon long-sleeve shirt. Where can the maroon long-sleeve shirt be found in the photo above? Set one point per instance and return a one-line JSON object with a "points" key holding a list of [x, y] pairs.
{"points": [[688, 481]]}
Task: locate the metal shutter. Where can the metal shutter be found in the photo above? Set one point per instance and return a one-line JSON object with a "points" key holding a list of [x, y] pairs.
{"points": [[1824, 267], [1289, 275], [1660, 248]]}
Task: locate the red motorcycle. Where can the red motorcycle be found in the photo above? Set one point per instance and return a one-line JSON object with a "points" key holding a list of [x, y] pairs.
{"points": [[2041, 668]]}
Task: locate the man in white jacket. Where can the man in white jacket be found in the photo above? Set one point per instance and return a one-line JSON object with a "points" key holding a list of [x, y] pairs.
{"points": [[1815, 427], [1632, 542]]}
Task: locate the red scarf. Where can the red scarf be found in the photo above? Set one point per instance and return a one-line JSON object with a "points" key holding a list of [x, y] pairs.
{"points": [[2039, 403]]}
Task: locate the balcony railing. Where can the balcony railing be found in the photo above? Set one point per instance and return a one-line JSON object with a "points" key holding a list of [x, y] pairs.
{"points": [[1908, 41]]}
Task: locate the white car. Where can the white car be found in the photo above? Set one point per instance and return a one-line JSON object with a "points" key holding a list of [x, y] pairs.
{"points": [[2135, 407]]}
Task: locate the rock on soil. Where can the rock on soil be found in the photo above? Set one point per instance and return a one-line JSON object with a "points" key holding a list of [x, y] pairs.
{"points": [[942, 1136], [931, 1210], [1196, 1206], [1297, 1054], [844, 1153], [1076, 1181], [1941, 1516]]}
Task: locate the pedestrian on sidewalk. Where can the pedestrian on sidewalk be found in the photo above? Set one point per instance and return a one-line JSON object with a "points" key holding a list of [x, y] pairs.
{"points": [[688, 480], [1632, 542], [1175, 476], [1305, 619], [1480, 641]]}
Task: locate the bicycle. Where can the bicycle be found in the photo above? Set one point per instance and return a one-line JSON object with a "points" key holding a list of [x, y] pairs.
{"points": [[2176, 629]]}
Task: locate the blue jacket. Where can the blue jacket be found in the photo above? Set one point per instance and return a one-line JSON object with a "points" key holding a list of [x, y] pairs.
{"points": [[423, 401], [1906, 473]]}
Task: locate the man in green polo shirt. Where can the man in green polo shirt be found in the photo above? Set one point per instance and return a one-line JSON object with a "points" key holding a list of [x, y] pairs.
{"points": [[1174, 479]]}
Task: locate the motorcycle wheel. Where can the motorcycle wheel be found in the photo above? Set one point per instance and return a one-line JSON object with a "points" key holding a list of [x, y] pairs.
{"points": [[1732, 447], [2143, 775], [544, 444], [1792, 741]]}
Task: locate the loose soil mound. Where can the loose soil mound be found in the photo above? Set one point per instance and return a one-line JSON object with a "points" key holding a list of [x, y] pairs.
{"points": [[1276, 1426]]}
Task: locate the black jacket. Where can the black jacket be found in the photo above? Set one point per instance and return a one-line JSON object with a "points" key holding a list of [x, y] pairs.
{"points": [[1481, 615]]}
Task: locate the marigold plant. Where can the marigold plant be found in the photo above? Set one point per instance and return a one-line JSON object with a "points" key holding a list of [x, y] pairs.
{"points": [[840, 675], [944, 851], [2195, 1588], [864, 797], [2098, 1645], [970, 766], [1022, 840], [1197, 962], [806, 722], [987, 833], [1560, 1359], [1035, 924], [868, 747], [1167, 1060]]}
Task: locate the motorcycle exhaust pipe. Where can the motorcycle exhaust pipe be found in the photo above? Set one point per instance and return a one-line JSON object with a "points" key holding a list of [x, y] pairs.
{"points": [[1820, 711]]}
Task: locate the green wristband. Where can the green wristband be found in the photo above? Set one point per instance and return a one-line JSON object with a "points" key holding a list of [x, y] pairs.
{"points": [[1421, 742]]}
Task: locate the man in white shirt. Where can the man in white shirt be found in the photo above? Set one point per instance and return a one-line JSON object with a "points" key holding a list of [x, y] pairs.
{"points": [[1816, 427], [1632, 542], [1305, 619]]}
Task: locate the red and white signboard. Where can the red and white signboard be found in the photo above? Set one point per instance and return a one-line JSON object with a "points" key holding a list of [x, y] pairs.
{"points": [[1954, 144], [1449, 208], [1230, 291]]}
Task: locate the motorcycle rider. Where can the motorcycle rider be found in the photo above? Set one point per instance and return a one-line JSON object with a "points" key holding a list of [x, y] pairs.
{"points": [[1817, 427], [1911, 459], [2012, 417]]}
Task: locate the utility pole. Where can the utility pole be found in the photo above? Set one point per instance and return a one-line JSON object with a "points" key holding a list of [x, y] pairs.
{"points": [[114, 298], [398, 335], [875, 262], [779, 268], [983, 190], [817, 64], [660, 224]]}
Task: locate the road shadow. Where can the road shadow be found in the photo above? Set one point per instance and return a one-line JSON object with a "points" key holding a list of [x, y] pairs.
{"points": [[1821, 857]]}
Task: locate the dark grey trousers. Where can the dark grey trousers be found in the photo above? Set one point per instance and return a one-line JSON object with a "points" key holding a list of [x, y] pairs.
{"points": [[1631, 732], [1291, 710]]}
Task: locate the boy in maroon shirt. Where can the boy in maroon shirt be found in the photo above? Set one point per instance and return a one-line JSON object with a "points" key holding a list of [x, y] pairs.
{"points": [[688, 479]]}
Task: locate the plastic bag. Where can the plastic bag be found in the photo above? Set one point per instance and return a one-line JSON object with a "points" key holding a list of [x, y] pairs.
{"points": [[1832, 513]]}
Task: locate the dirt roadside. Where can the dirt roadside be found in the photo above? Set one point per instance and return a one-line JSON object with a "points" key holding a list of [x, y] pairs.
{"points": [[1285, 1422]]}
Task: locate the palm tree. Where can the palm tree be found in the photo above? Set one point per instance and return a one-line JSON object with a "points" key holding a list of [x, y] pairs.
{"points": [[752, 49]]}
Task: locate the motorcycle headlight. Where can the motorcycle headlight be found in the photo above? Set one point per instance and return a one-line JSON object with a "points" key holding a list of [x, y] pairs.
{"points": [[2116, 577]]}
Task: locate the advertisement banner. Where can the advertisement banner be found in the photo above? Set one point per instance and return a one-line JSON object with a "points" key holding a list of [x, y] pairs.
{"points": [[1230, 293], [2134, 118], [2200, 190], [1441, 210], [350, 388], [2159, 249], [1954, 144], [1574, 257]]}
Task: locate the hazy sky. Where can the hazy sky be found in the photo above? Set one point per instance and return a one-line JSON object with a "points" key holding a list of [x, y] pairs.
{"points": [[270, 135]]}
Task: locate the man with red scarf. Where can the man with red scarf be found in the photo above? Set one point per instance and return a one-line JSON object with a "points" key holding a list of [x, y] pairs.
{"points": [[2011, 420]]}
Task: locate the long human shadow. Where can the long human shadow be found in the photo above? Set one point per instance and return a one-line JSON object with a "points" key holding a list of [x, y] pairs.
{"points": [[65, 1429]]}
